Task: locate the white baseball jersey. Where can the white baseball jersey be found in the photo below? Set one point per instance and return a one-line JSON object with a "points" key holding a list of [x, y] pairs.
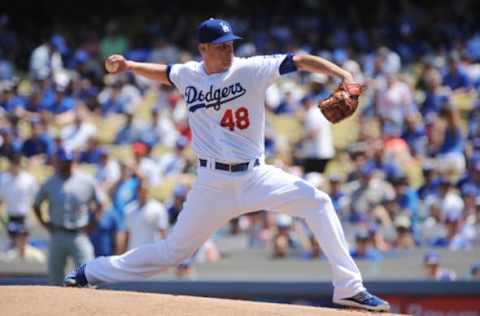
{"points": [[227, 110]]}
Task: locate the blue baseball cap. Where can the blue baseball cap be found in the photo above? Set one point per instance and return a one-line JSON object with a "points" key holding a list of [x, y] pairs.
{"points": [[15, 229], [59, 43], [216, 31]]}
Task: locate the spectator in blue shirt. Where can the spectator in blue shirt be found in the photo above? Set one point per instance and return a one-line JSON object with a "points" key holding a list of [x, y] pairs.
{"points": [[430, 184], [455, 77], [128, 133], [364, 249], [10, 145], [124, 190], [415, 136], [104, 236], [9, 99], [450, 154], [434, 271], [39, 143], [436, 95], [93, 153], [406, 196]]}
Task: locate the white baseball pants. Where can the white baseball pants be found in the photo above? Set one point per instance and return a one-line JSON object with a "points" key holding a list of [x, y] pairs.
{"points": [[215, 198]]}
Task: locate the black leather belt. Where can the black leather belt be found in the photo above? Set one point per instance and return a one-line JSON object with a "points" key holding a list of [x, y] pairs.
{"points": [[230, 167]]}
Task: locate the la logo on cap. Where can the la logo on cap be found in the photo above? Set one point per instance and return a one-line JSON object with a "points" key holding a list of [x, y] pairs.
{"points": [[225, 27]]}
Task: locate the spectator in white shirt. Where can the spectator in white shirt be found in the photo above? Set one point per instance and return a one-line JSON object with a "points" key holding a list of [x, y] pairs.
{"points": [[76, 135], [107, 171], [46, 59], [146, 220], [17, 190], [317, 145], [144, 164]]}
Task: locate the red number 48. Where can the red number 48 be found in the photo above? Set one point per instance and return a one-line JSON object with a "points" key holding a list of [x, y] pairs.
{"points": [[239, 119]]}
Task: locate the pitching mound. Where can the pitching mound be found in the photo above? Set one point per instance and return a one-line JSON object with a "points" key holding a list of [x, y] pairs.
{"points": [[43, 300]]}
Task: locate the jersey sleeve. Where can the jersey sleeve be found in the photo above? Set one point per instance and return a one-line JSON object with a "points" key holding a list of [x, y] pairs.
{"points": [[269, 67], [176, 74]]}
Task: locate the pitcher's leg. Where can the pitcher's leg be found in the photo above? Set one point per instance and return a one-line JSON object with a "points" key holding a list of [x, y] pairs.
{"points": [[199, 218], [275, 190], [325, 225]]}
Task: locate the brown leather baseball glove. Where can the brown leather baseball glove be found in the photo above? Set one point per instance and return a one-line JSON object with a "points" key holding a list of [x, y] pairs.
{"points": [[342, 103]]}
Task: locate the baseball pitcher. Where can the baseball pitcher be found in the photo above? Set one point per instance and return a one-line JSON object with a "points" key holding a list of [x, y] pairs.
{"points": [[225, 99]]}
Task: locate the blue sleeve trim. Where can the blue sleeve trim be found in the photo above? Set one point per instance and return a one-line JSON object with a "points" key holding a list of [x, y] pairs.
{"points": [[169, 68], [288, 65]]}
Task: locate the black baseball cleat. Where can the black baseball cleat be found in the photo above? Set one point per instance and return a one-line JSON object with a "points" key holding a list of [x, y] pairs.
{"points": [[76, 278], [366, 301]]}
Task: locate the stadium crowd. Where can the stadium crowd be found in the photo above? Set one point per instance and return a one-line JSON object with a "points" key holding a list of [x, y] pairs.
{"points": [[408, 177]]}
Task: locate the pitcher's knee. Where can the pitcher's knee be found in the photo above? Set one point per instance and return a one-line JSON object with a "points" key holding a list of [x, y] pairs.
{"points": [[320, 203], [322, 199]]}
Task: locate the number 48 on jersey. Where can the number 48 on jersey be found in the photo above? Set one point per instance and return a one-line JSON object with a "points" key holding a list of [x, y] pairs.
{"points": [[235, 119]]}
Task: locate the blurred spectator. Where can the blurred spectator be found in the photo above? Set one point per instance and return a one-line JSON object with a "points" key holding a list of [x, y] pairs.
{"points": [[71, 197], [339, 198], [119, 96], [282, 239], [317, 144], [404, 238], [475, 271], [124, 190], [455, 76], [406, 197], [436, 95], [145, 166], [10, 101], [59, 100], [17, 190], [128, 132], [46, 59], [450, 155], [106, 237], [367, 192], [430, 182], [415, 136], [433, 269], [113, 42], [160, 131], [75, 136], [454, 237], [163, 52], [21, 250], [10, 145], [107, 170], [40, 144], [472, 176], [394, 104], [377, 239], [179, 196], [92, 152], [364, 249], [260, 229], [174, 163], [146, 220]]}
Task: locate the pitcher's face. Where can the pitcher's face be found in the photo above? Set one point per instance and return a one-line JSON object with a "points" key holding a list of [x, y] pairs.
{"points": [[218, 55]]}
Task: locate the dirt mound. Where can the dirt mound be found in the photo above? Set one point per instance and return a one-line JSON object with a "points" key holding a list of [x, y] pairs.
{"points": [[45, 300]]}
